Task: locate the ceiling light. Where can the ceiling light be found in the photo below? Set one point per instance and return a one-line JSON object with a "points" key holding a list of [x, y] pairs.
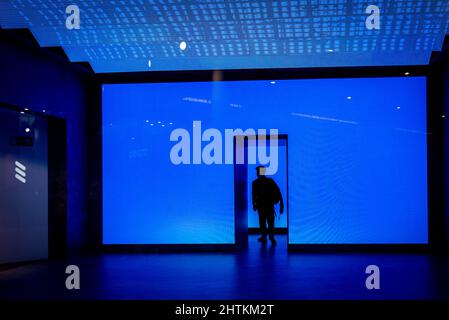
{"points": [[183, 45]]}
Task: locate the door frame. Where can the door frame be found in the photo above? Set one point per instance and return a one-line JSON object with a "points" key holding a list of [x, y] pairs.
{"points": [[241, 191]]}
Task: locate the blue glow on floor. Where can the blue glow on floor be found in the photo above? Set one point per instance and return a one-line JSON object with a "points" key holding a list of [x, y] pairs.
{"points": [[261, 272]]}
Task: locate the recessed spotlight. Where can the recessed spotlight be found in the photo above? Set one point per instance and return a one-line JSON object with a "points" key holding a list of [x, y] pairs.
{"points": [[163, 125], [149, 63], [407, 73], [147, 121], [330, 50], [349, 97], [183, 45], [273, 82], [26, 109], [170, 123], [398, 108], [27, 130], [151, 124], [43, 111], [21, 112], [159, 122], [443, 116]]}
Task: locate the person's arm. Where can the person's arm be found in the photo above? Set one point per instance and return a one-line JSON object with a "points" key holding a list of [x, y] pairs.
{"points": [[281, 203], [279, 196]]}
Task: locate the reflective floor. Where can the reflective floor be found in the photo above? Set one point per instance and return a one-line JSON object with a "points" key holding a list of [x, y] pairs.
{"points": [[260, 272]]}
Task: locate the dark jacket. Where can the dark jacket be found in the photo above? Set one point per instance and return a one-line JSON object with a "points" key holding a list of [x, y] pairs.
{"points": [[265, 194]]}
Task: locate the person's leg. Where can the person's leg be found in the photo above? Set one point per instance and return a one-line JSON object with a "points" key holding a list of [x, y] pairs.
{"points": [[263, 225], [270, 221]]}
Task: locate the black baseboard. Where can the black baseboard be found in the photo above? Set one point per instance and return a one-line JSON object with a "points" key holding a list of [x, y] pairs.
{"points": [[276, 230], [13, 265], [360, 248], [169, 248]]}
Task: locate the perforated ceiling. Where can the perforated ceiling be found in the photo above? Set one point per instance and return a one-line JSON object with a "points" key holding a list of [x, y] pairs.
{"points": [[145, 35]]}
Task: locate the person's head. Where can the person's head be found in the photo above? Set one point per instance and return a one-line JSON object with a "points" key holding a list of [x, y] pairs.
{"points": [[260, 170]]}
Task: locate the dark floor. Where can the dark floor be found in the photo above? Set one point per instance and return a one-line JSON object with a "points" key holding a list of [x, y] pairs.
{"points": [[261, 272]]}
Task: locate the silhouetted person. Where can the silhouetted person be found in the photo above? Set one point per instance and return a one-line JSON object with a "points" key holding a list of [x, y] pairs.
{"points": [[266, 194]]}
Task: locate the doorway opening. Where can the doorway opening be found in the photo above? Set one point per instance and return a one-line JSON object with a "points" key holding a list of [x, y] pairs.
{"points": [[246, 219]]}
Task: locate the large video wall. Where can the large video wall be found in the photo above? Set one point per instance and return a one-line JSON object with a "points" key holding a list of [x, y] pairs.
{"points": [[357, 158]]}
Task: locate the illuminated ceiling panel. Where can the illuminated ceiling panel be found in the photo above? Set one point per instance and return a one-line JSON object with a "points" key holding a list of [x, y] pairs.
{"points": [[145, 35]]}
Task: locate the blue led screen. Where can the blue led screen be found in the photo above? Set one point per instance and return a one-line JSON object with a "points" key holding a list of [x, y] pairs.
{"points": [[357, 159]]}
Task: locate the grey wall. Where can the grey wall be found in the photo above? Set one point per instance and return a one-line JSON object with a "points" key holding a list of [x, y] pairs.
{"points": [[36, 79], [23, 188]]}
